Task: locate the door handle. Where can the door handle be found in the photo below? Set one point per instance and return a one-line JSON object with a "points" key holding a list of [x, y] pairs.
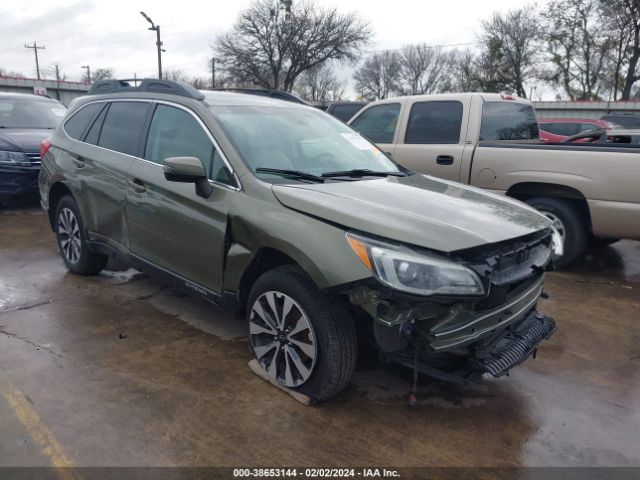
{"points": [[444, 160], [389, 154], [138, 185]]}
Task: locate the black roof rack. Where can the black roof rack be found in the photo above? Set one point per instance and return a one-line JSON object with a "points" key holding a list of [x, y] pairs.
{"points": [[152, 85]]}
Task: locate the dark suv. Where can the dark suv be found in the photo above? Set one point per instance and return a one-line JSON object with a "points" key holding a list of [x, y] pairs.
{"points": [[25, 120], [305, 224]]}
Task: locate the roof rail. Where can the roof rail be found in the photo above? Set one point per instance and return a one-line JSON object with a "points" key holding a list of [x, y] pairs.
{"points": [[152, 85], [265, 92]]}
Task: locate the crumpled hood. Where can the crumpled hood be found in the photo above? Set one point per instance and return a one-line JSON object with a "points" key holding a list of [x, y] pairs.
{"points": [[417, 210], [25, 140]]}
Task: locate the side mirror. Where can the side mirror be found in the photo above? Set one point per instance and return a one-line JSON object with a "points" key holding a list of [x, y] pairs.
{"points": [[188, 170]]}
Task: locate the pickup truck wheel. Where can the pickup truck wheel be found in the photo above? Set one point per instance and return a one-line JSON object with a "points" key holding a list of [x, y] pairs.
{"points": [[569, 222], [304, 338], [72, 240]]}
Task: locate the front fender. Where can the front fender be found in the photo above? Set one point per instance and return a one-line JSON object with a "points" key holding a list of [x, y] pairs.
{"points": [[319, 248]]}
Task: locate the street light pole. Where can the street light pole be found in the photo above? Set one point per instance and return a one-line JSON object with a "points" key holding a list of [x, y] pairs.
{"points": [[156, 28]]}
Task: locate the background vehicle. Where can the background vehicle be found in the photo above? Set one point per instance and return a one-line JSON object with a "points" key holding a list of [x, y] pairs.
{"points": [[615, 135], [626, 120], [559, 129], [489, 141], [344, 110], [277, 204], [25, 120]]}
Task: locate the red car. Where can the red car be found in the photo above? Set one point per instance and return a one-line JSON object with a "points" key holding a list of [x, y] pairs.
{"points": [[553, 130]]}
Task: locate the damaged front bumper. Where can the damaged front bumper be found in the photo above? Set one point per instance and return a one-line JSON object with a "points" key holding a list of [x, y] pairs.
{"points": [[495, 357], [458, 342]]}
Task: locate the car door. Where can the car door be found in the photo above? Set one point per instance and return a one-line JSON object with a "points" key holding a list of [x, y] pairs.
{"points": [[101, 165], [170, 227], [433, 141], [379, 124]]}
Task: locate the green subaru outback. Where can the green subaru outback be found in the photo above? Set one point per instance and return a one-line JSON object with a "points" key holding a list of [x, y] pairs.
{"points": [[320, 238]]}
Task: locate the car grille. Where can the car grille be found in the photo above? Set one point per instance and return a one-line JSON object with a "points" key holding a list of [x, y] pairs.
{"points": [[34, 158]]}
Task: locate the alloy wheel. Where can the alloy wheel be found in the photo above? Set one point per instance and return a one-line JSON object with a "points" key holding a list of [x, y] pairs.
{"points": [[69, 235], [282, 338]]}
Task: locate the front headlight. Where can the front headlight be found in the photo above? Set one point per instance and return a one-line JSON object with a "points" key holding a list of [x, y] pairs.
{"points": [[13, 157], [423, 274]]}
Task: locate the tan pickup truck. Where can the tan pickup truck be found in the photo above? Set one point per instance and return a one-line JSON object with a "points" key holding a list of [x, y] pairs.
{"points": [[591, 191]]}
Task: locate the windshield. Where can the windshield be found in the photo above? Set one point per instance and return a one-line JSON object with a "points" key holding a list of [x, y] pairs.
{"points": [[508, 121], [301, 139], [30, 114]]}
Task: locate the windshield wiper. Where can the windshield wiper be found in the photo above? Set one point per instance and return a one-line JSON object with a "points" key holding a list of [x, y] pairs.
{"points": [[297, 174], [362, 172]]}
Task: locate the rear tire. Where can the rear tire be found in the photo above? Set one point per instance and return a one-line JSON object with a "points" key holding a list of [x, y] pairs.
{"points": [[327, 333], [72, 240], [570, 222]]}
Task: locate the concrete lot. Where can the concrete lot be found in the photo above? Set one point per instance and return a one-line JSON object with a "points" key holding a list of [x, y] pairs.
{"points": [[118, 370]]}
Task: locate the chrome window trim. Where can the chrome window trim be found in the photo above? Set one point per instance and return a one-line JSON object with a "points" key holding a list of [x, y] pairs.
{"points": [[236, 187]]}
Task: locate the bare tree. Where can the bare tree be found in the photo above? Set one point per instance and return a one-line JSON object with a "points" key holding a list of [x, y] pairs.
{"points": [[622, 20], [320, 84], [199, 83], [579, 48], [464, 70], [176, 75], [9, 73], [55, 71], [509, 48], [425, 69], [274, 41], [379, 75], [98, 74]]}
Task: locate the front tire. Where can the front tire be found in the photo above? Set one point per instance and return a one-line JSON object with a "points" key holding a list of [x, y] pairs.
{"points": [[570, 223], [304, 338], [72, 240]]}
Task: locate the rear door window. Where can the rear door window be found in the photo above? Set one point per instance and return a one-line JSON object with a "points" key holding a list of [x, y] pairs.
{"points": [[508, 121], [434, 122], [122, 127], [378, 123], [80, 120]]}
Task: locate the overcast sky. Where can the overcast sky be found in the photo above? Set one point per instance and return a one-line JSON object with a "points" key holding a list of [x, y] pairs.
{"points": [[112, 34]]}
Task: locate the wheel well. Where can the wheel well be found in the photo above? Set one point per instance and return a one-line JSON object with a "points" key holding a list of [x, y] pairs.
{"points": [[56, 192], [266, 259], [527, 190]]}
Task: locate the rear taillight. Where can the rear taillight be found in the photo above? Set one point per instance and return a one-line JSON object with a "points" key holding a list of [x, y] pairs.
{"points": [[507, 97], [45, 145]]}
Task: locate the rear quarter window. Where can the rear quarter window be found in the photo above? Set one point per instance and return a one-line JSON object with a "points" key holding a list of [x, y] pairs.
{"points": [[80, 120], [508, 121]]}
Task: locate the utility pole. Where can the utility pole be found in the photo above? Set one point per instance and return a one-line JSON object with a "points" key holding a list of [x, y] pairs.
{"points": [[57, 81], [88, 72], [213, 72], [156, 28], [35, 50]]}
